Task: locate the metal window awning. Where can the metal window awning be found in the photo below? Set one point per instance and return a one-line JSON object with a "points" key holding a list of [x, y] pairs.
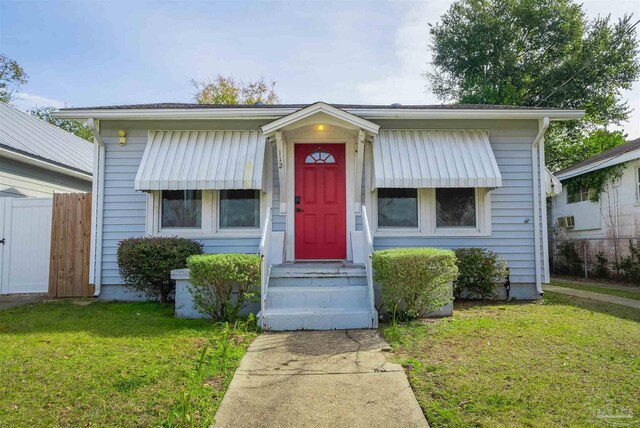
{"points": [[181, 160], [419, 158]]}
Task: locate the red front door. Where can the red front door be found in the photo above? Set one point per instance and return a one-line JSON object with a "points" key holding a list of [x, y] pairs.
{"points": [[320, 201]]}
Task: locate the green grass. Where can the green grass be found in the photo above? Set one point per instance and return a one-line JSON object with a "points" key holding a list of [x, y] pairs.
{"points": [[629, 294], [562, 362], [112, 364]]}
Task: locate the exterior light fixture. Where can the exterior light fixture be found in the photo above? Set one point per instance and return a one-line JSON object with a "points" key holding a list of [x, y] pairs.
{"points": [[319, 127], [123, 139]]}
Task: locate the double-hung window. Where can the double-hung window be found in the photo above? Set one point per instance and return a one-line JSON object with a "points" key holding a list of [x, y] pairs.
{"points": [[578, 194], [398, 208], [181, 209], [456, 207]]}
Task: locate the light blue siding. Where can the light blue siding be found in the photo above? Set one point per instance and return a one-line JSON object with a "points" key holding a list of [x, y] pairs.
{"points": [[511, 204]]}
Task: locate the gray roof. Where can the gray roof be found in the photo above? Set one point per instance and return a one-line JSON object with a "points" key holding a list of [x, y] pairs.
{"points": [[600, 158], [298, 106], [27, 135]]}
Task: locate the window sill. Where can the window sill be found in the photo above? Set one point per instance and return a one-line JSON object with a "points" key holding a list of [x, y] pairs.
{"points": [[436, 234]]}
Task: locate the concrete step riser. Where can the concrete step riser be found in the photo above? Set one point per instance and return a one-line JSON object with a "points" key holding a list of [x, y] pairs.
{"points": [[325, 297], [317, 282], [282, 322]]}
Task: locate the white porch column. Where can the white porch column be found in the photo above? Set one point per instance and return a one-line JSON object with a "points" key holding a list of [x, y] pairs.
{"points": [[282, 170], [359, 165]]}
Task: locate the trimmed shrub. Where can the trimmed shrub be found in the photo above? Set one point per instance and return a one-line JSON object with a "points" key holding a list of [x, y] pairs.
{"points": [[415, 281], [221, 284], [480, 271], [145, 264]]}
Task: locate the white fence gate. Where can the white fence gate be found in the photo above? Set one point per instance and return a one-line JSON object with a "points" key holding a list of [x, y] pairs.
{"points": [[25, 233]]}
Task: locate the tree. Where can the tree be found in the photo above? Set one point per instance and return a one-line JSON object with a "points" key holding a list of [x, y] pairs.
{"points": [[12, 76], [542, 53], [227, 90], [75, 127]]}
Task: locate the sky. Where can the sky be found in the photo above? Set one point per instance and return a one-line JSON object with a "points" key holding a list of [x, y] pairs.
{"points": [[92, 52]]}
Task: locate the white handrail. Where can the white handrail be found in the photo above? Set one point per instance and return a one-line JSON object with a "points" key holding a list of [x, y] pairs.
{"points": [[368, 256], [265, 264]]}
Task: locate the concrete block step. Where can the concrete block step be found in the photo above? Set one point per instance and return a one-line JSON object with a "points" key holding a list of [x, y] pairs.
{"points": [[317, 271], [316, 319], [348, 297], [286, 281]]}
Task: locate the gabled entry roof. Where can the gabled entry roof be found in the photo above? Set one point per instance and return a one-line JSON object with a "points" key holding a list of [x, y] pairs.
{"points": [[325, 110]]}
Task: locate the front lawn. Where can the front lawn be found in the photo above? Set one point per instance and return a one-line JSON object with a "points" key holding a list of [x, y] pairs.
{"points": [[631, 293], [112, 364], [562, 362]]}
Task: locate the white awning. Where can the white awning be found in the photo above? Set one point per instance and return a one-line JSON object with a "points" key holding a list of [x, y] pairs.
{"points": [[419, 158], [181, 160]]}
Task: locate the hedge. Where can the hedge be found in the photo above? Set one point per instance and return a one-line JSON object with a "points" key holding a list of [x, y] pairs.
{"points": [[415, 281], [221, 284]]}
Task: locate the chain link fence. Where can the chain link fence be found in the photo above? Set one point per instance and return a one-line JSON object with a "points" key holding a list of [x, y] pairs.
{"points": [[611, 258]]}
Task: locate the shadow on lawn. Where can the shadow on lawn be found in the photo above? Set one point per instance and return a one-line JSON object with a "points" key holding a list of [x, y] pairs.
{"points": [[623, 312], [103, 319]]}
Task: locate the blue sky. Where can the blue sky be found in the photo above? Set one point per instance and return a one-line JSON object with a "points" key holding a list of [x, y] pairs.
{"points": [[83, 53]]}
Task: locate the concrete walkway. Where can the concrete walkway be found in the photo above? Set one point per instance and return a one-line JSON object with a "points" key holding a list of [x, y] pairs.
{"points": [[319, 379], [594, 296], [15, 300]]}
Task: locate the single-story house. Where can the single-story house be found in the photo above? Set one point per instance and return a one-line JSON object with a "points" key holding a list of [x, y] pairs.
{"points": [[315, 188], [616, 214], [38, 159]]}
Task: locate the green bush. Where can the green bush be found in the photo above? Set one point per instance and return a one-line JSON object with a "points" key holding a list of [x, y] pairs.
{"points": [[221, 284], [480, 271], [415, 281], [630, 265], [145, 264]]}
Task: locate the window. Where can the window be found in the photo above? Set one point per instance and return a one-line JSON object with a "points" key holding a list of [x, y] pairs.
{"points": [[456, 207], [578, 194], [398, 208], [181, 209], [638, 184], [320, 157], [239, 209]]}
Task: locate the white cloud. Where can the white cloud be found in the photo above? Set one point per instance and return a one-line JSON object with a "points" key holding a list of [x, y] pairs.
{"points": [[26, 101], [405, 84]]}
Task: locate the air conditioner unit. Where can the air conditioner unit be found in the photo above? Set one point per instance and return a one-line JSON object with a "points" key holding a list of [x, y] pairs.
{"points": [[567, 222]]}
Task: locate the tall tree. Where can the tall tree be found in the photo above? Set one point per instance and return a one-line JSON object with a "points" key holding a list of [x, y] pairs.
{"points": [[542, 53], [12, 76], [227, 90], [75, 127]]}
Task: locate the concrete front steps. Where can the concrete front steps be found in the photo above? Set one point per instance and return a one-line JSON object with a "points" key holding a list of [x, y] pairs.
{"points": [[318, 296]]}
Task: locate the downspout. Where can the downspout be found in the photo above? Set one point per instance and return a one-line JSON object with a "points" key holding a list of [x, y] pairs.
{"points": [[543, 124], [97, 205]]}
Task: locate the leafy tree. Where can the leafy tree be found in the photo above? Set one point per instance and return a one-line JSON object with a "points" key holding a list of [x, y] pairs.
{"points": [[227, 90], [12, 76], [542, 53], [75, 127]]}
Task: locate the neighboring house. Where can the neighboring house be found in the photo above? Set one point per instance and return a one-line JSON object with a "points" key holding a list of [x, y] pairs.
{"points": [[300, 183], [617, 213], [38, 159]]}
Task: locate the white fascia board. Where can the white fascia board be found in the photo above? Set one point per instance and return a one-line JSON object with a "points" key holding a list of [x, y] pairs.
{"points": [[44, 164], [615, 160], [276, 113]]}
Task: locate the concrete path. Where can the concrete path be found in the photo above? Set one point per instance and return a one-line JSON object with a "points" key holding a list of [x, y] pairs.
{"points": [[594, 296], [319, 379], [16, 300]]}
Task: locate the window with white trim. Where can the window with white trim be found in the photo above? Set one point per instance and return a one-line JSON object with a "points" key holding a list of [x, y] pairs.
{"points": [[181, 209], [239, 209], [198, 213], [579, 194], [398, 208], [456, 207]]}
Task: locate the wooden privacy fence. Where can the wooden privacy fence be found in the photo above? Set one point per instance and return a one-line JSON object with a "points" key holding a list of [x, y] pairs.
{"points": [[70, 240]]}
